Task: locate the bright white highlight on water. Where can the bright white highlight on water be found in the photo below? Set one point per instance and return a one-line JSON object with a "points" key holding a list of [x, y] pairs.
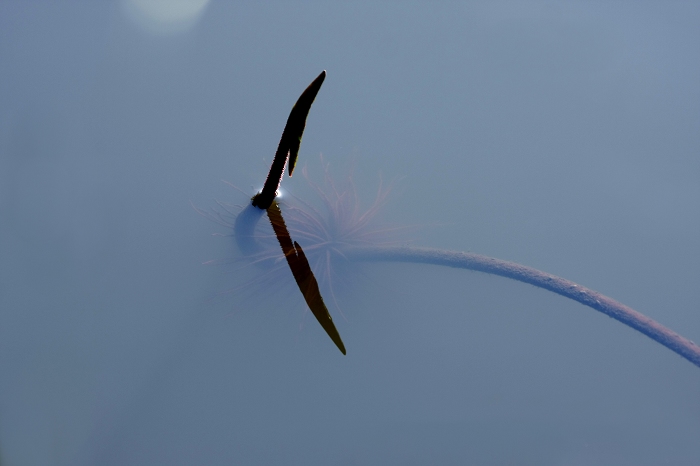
{"points": [[165, 16]]}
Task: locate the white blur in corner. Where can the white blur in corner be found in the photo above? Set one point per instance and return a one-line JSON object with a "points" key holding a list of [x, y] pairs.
{"points": [[165, 16]]}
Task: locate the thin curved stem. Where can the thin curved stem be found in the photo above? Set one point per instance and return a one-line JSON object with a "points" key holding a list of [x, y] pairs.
{"points": [[522, 273]]}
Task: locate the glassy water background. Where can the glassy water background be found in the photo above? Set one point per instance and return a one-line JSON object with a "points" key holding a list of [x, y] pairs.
{"points": [[563, 136]]}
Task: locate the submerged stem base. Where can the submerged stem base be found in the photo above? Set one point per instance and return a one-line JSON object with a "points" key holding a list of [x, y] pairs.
{"points": [[522, 273]]}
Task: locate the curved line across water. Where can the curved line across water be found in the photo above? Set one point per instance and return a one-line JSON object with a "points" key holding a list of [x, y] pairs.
{"points": [[522, 273]]}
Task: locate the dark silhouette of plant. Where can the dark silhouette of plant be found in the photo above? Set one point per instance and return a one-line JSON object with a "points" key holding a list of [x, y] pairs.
{"points": [[329, 234], [287, 152]]}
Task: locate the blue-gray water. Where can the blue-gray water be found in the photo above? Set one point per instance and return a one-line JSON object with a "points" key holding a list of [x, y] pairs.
{"points": [[564, 136]]}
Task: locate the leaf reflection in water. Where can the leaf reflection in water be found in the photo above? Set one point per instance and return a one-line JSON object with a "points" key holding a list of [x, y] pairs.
{"points": [[303, 275]]}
